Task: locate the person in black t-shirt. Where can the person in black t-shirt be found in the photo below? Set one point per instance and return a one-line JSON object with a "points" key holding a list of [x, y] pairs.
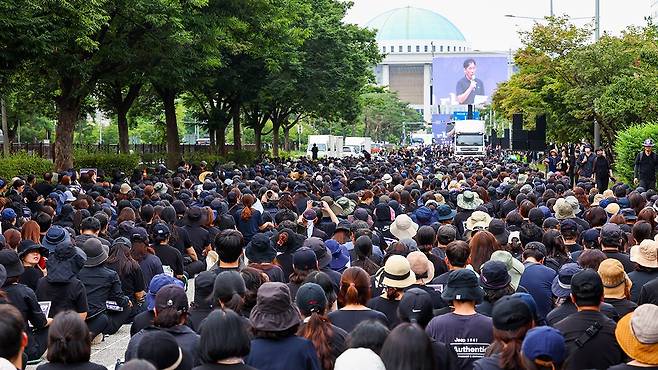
{"points": [[130, 274], [589, 334], [469, 86], [645, 166], [169, 255], [602, 170]]}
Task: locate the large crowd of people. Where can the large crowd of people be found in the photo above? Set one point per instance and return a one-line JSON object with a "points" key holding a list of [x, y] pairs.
{"points": [[409, 259]]}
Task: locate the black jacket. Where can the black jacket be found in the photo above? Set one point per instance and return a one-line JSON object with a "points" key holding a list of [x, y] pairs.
{"points": [[645, 166], [186, 338], [102, 285]]}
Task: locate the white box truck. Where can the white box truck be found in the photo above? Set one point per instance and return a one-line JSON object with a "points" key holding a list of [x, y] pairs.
{"points": [[328, 146], [469, 138], [354, 145]]}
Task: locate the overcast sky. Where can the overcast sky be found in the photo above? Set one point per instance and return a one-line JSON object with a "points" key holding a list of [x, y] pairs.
{"points": [[485, 26]]}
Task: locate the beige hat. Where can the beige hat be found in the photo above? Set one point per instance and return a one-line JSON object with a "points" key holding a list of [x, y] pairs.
{"points": [[125, 188], [478, 221], [608, 194], [616, 284], [396, 273], [439, 198], [421, 266], [597, 199], [637, 334], [612, 208], [403, 227], [645, 254], [563, 209]]}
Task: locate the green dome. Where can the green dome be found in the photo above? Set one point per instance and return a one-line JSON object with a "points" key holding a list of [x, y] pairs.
{"points": [[414, 24]]}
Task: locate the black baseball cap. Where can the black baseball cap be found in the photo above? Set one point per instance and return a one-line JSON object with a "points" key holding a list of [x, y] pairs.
{"points": [[311, 298], [416, 307], [494, 275], [304, 259], [510, 313], [587, 285]]}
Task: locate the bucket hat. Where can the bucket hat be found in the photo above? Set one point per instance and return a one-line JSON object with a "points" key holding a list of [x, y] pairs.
{"points": [[304, 259], [515, 267], [322, 253], [561, 286], [645, 254], [637, 334], [396, 273], [563, 209], [403, 227], [259, 249], [95, 252], [468, 200], [445, 213], [347, 205], [55, 235], [478, 221], [335, 208], [615, 280], [274, 310], [12, 264], [647, 142], [421, 266], [359, 358], [387, 178], [26, 246], [340, 257], [462, 285]]}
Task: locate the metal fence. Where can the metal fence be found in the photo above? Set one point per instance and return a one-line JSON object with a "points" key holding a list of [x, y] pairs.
{"points": [[48, 150]]}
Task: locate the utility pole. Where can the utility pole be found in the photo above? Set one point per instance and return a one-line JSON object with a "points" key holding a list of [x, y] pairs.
{"points": [[5, 131], [597, 29], [552, 14]]}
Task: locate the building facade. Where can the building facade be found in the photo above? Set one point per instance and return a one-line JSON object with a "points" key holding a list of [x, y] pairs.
{"points": [[410, 38]]}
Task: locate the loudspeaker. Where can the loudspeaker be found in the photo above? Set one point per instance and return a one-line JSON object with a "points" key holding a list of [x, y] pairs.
{"points": [[519, 136], [537, 141]]}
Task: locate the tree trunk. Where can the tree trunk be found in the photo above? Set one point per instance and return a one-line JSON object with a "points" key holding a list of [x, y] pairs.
{"points": [[275, 138], [122, 122], [67, 116], [237, 135], [286, 138], [220, 138], [173, 141], [258, 138]]}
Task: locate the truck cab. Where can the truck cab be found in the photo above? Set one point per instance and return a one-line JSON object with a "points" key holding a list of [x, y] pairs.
{"points": [[469, 138]]}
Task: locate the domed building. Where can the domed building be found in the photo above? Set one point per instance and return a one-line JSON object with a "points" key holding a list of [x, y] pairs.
{"points": [[410, 38]]}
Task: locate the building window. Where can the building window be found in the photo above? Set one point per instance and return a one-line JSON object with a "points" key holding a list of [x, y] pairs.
{"points": [[392, 49], [433, 48], [448, 48], [426, 48], [408, 48], [441, 48], [417, 49], [400, 48], [384, 49]]}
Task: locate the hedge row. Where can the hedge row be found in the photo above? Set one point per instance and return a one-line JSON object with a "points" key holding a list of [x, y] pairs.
{"points": [[21, 164], [628, 144]]}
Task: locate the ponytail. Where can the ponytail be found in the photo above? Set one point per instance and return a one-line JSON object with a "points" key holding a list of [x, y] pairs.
{"points": [[319, 331], [352, 295], [247, 202], [510, 341]]}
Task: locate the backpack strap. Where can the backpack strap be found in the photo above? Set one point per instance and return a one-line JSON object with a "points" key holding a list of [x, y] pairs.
{"points": [[588, 334]]}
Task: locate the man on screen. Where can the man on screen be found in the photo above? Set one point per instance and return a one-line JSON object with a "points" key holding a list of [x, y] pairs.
{"points": [[469, 86]]}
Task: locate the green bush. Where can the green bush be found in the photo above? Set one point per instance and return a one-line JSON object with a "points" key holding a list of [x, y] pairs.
{"points": [[628, 144], [108, 162], [153, 159], [21, 164]]}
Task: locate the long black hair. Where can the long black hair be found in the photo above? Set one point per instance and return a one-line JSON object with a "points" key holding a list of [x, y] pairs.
{"points": [[408, 348]]}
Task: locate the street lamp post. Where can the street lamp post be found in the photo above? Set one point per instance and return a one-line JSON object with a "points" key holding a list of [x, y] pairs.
{"points": [[597, 28]]}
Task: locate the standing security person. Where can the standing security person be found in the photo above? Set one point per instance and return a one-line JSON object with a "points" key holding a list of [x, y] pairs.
{"points": [[646, 165]]}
